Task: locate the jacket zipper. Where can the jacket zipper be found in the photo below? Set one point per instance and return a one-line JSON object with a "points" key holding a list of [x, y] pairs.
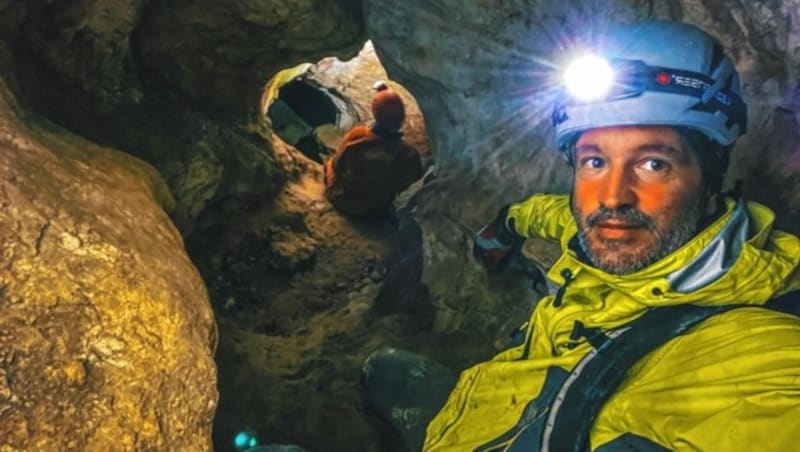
{"points": [[567, 275], [568, 278]]}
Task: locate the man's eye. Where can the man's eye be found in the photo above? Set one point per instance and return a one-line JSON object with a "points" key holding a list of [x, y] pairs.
{"points": [[593, 162], [655, 165]]}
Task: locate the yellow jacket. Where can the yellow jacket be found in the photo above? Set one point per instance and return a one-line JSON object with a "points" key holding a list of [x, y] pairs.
{"points": [[731, 383]]}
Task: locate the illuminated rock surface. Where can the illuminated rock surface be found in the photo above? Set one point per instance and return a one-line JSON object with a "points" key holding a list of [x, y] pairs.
{"points": [[106, 332]]}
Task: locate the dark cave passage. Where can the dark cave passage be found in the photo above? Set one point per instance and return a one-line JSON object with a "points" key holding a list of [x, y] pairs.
{"points": [[309, 102]]}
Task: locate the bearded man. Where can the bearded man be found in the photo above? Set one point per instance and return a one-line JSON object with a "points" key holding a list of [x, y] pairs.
{"points": [[674, 325]]}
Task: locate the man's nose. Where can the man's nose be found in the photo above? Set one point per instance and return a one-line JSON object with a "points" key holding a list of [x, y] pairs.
{"points": [[618, 189]]}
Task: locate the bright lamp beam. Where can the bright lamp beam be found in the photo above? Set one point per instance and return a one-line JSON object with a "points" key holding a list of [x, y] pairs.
{"points": [[588, 78]]}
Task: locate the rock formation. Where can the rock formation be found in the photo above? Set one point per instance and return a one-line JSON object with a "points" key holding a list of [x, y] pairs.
{"points": [[106, 332]]}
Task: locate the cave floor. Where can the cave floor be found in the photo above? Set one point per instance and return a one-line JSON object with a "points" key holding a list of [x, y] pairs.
{"points": [[292, 283]]}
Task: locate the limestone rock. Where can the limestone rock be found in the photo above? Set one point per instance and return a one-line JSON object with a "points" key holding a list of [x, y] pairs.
{"points": [[106, 332], [216, 53], [86, 45], [278, 249]]}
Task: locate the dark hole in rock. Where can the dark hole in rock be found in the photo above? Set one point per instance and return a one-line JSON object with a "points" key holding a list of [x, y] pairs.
{"points": [[309, 102], [300, 109]]}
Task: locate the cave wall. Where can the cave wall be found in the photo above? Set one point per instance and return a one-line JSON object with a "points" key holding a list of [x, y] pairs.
{"points": [[479, 71], [215, 54], [106, 332], [221, 53], [107, 335], [176, 83]]}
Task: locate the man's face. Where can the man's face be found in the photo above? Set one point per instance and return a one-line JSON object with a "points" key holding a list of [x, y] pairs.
{"points": [[637, 195]]}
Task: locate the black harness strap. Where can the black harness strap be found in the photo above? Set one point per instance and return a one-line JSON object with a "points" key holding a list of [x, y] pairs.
{"points": [[576, 406]]}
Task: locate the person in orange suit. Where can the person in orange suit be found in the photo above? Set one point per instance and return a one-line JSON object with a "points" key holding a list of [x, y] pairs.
{"points": [[373, 163]]}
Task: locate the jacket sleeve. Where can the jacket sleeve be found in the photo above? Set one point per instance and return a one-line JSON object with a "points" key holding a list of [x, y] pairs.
{"points": [[331, 167], [544, 216], [727, 385]]}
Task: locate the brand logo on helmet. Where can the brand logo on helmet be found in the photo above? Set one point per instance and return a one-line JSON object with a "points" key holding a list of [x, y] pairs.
{"points": [[692, 82]]}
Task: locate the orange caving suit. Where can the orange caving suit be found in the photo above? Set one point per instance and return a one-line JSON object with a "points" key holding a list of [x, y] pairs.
{"points": [[368, 171]]}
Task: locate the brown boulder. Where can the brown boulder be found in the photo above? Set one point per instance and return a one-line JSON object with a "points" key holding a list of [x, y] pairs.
{"points": [[106, 333]]}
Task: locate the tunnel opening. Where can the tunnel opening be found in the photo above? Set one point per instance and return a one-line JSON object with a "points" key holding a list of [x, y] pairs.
{"points": [[305, 114], [309, 102]]}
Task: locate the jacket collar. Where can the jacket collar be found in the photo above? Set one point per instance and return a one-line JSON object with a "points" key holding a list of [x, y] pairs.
{"points": [[689, 273], [716, 258]]}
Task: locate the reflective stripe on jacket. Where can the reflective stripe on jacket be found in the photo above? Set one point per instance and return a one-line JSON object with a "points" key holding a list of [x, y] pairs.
{"points": [[731, 383]]}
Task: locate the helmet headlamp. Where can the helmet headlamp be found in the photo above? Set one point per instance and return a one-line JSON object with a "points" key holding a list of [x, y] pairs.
{"points": [[651, 73], [588, 78], [591, 79]]}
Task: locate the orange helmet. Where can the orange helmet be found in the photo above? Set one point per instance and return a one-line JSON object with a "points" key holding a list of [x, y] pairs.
{"points": [[387, 107]]}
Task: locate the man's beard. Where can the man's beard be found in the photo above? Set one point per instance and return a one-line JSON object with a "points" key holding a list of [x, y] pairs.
{"points": [[612, 257]]}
